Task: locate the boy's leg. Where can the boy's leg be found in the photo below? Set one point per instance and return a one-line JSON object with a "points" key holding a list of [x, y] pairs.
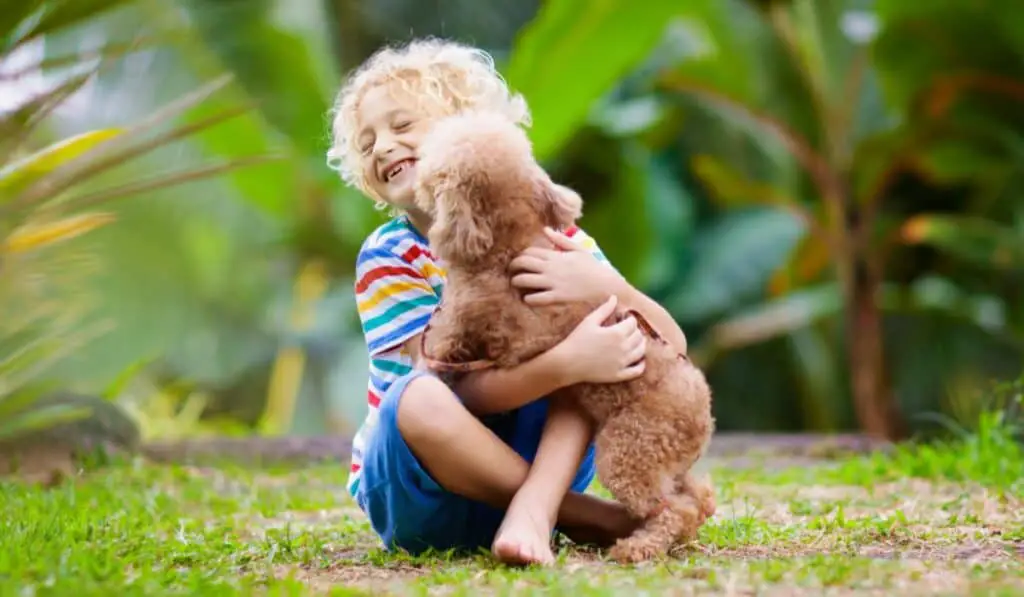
{"points": [[524, 536], [468, 459]]}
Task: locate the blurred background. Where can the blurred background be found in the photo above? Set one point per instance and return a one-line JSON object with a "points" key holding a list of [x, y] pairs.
{"points": [[826, 194]]}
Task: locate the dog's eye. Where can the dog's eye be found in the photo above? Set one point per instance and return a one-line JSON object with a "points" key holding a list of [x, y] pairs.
{"points": [[403, 125]]}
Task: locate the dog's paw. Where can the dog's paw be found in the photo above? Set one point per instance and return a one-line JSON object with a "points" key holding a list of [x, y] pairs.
{"points": [[634, 550]]}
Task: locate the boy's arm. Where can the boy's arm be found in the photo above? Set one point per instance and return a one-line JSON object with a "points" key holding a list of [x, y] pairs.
{"points": [[629, 296], [659, 318], [499, 390]]}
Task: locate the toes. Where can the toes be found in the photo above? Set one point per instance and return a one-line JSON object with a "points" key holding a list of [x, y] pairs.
{"points": [[521, 553]]}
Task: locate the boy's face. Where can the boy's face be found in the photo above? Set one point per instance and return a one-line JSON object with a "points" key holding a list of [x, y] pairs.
{"points": [[390, 129]]}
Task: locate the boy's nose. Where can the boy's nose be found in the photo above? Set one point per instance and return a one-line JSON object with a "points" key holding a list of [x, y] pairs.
{"points": [[385, 145]]}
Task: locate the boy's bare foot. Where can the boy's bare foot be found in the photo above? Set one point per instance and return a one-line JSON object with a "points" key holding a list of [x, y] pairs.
{"points": [[613, 523], [524, 537]]}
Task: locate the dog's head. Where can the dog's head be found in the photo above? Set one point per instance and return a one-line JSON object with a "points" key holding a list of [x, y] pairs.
{"points": [[477, 177]]}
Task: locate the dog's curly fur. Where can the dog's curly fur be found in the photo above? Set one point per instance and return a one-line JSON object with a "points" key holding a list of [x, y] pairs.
{"points": [[490, 199]]}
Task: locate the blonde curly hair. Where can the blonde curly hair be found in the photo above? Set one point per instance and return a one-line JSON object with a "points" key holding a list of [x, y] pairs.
{"points": [[448, 77]]}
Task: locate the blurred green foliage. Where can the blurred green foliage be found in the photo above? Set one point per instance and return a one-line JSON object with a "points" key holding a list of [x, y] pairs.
{"points": [[824, 193]]}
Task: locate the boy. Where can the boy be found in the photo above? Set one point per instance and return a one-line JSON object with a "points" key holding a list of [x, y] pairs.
{"points": [[489, 461]]}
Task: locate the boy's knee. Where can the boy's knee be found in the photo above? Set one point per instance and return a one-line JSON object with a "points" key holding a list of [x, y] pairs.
{"points": [[428, 411]]}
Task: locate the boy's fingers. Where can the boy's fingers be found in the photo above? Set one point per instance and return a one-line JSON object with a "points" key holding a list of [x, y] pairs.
{"points": [[637, 340], [538, 299], [636, 354], [632, 372], [627, 326], [527, 262], [605, 311], [560, 240], [534, 281]]}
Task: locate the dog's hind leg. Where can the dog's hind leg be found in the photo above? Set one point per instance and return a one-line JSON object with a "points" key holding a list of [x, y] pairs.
{"points": [[677, 515], [701, 489], [637, 476]]}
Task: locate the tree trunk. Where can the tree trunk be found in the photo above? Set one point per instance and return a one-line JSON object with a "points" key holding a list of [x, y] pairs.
{"points": [[860, 279], [874, 401]]}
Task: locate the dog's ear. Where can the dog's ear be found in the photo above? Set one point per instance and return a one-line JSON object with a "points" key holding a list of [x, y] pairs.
{"points": [[560, 205], [461, 230]]}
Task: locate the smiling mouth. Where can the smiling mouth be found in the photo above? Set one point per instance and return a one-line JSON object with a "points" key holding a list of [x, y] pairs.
{"points": [[397, 168]]}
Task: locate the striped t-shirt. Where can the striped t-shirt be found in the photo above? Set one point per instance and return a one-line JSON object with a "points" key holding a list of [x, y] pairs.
{"points": [[398, 284]]}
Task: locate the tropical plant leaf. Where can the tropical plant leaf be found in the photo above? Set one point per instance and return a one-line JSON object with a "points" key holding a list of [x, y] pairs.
{"points": [[124, 147], [12, 23], [974, 239], [55, 15], [959, 50], [778, 317], [164, 181], [272, 65], [32, 237], [734, 259], [810, 258], [758, 123], [733, 189], [24, 423], [15, 401], [78, 418], [15, 176], [608, 38], [815, 364], [19, 122]]}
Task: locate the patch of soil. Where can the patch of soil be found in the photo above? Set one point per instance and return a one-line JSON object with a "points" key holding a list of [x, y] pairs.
{"points": [[350, 573], [46, 464]]}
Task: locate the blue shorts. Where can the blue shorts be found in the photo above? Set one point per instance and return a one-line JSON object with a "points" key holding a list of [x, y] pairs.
{"points": [[410, 511]]}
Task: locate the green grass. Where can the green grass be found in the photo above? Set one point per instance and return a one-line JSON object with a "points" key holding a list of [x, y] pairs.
{"points": [[939, 520]]}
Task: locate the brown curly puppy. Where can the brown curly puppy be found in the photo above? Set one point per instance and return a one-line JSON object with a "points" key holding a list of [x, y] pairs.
{"points": [[490, 200]]}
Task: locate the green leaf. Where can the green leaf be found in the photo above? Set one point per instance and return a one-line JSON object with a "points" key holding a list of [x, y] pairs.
{"points": [[128, 146], [272, 65], [12, 23], [575, 51], [13, 402], [620, 211], [735, 257], [37, 236], [949, 39], [37, 419], [670, 221], [732, 188], [973, 239], [779, 317], [16, 124], [14, 177], [166, 180], [721, 42], [79, 417], [58, 15]]}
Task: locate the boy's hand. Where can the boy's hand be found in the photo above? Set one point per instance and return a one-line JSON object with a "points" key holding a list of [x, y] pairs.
{"points": [[597, 353], [564, 274]]}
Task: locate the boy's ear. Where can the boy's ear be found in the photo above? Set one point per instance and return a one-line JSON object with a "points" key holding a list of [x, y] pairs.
{"points": [[561, 205]]}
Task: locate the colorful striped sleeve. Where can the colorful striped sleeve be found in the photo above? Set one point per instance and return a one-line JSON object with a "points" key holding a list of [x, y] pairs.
{"points": [[587, 242], [393, 298]]}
